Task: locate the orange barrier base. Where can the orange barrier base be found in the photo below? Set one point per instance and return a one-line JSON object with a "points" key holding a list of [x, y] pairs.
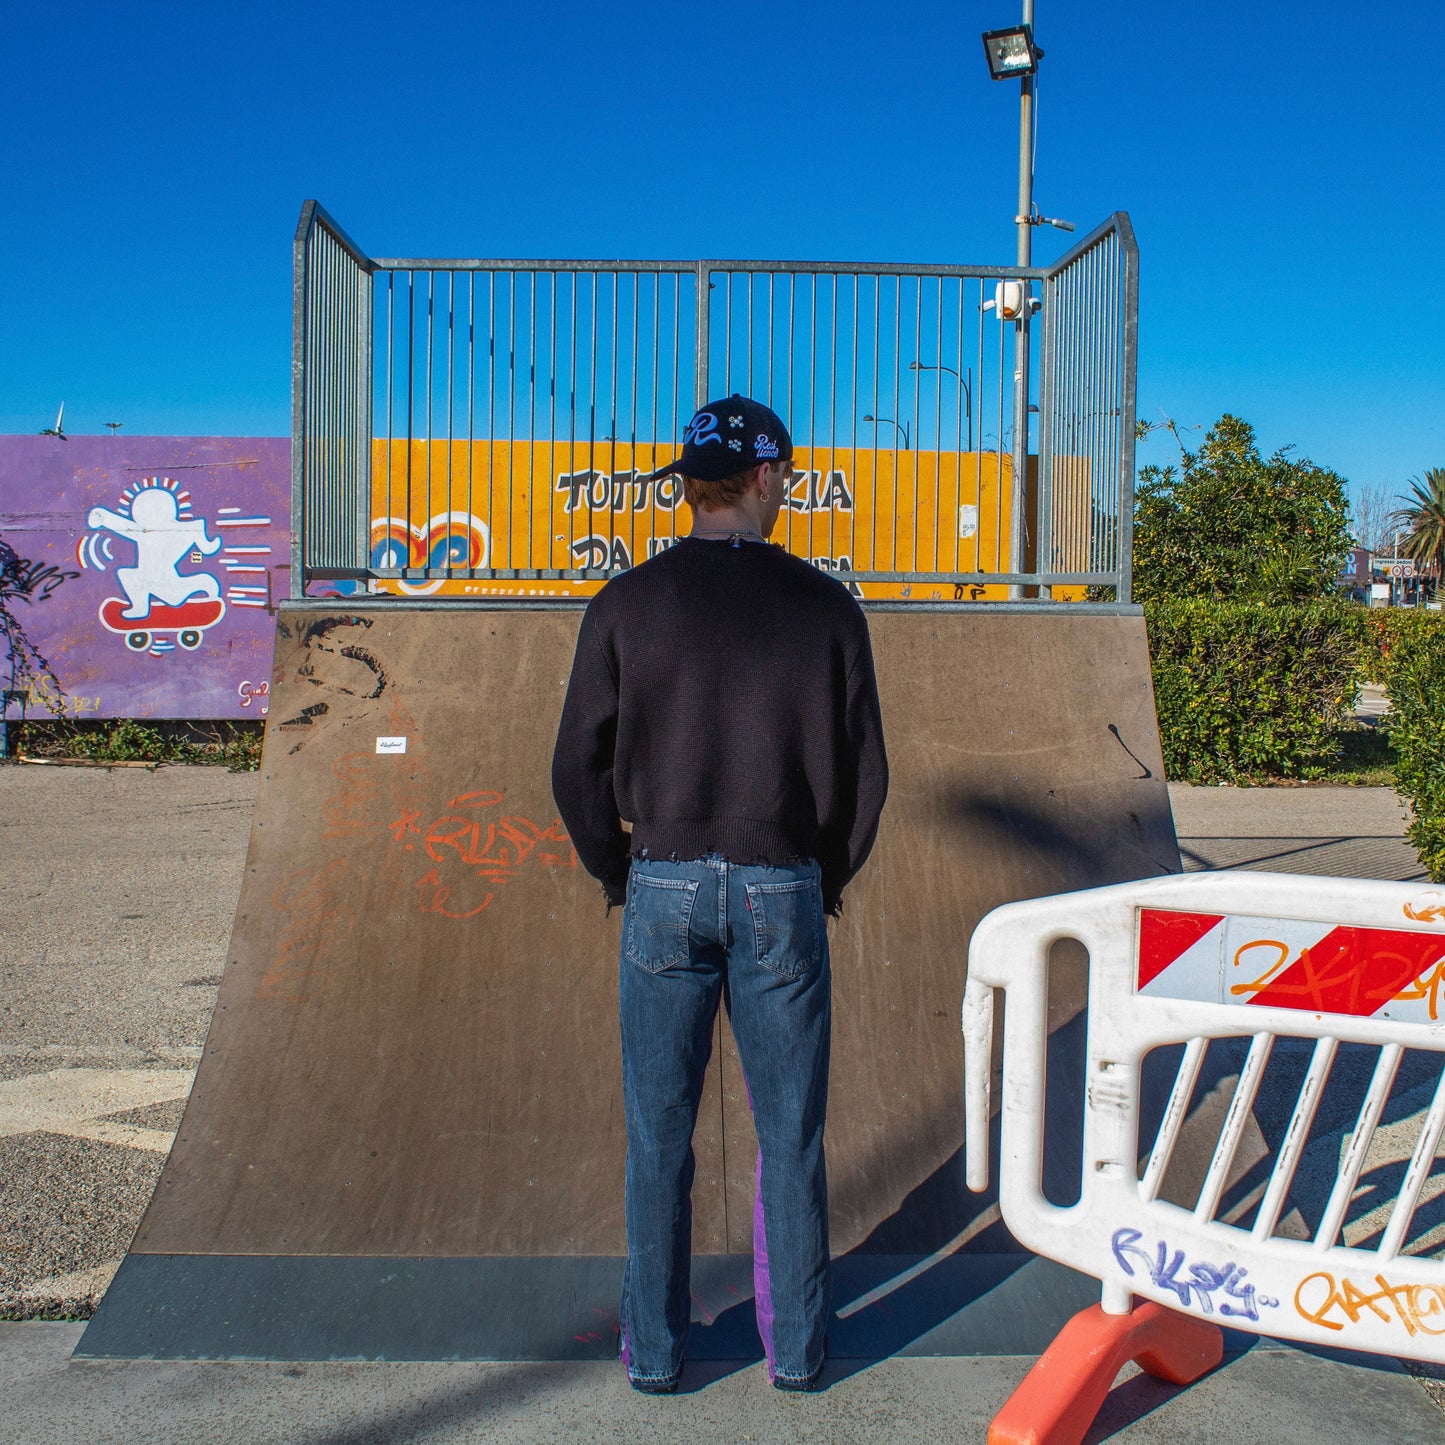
{"points": [[1061, 1395]]}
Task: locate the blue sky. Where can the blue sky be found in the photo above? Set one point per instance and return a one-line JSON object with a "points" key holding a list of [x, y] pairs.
{"points": [[1281, 164]]}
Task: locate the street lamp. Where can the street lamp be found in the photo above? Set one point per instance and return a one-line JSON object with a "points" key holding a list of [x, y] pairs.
{"points": [[966, 382], [888, 420]]}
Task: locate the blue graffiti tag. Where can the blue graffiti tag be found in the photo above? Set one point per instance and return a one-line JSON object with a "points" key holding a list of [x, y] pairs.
{"points": [[1201, 1283]]}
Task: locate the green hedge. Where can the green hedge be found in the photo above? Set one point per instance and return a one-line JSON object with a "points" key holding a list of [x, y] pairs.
{"points": [[1410, 649], [1248, 690]]}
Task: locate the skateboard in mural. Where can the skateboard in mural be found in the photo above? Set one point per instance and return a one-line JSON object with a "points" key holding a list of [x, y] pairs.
{"points": [[188, 621]]}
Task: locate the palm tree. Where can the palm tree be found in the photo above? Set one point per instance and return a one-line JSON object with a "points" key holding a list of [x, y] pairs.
{"points": [[1424, 516]]}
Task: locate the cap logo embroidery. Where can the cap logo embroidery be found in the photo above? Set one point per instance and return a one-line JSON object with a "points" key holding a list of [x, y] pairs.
{"points": [[765, 446], [701, 430], [735, 421], [735, 444]]}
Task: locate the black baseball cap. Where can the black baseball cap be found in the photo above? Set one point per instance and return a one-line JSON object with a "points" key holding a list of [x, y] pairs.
{"points": [[727, 437]]}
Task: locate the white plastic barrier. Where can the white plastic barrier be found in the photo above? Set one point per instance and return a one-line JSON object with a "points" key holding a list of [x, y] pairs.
{"points": [[1184, 960]]}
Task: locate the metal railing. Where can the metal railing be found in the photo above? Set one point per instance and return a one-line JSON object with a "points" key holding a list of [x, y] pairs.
{"points": [[330, 402], [520, 406], [1087, 405]]}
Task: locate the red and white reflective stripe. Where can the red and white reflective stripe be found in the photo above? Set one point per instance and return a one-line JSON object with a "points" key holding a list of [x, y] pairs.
{"points": [[1388, 973]]}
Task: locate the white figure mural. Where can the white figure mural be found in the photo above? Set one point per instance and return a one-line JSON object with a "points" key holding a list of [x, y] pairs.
{"points": [[162, 537]]}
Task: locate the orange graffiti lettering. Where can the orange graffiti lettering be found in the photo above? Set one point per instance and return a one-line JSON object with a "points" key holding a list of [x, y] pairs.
{"points": [[1420, 1308], [440, 895]]}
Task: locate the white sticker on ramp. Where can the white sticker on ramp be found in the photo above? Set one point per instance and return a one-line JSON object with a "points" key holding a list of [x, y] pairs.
{"points": [[391, 745]]}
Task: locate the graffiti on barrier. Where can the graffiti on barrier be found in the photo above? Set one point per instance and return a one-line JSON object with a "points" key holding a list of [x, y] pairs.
{"points": [[1198, 1281], [634, 491], [29, 675], [319, 919], [1341, 1304], [257, 692], [162, 606]]}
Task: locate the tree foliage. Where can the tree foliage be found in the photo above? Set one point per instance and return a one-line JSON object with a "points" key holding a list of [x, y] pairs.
{"points": [[1424, 516], [1231, 524]]}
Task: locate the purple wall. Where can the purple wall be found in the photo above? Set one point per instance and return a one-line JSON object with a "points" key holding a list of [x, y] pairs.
{"points": [[139, 575]]}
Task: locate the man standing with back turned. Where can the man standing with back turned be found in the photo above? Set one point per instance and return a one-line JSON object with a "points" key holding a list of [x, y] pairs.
{"points": [[723, 701]]}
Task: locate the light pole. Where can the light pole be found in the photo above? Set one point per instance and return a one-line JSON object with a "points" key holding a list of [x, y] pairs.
{"points": [[1012, 52], [966, 382], [888, 420]]}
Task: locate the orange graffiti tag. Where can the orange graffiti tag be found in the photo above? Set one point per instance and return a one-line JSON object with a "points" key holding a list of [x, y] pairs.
{"points": [[317, 924], [1426, 911], [1255, 985], [440, 895], [1420, 1308]]}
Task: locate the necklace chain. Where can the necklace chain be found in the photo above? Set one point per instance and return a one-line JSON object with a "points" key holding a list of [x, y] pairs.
{"points": [[736, 535]]}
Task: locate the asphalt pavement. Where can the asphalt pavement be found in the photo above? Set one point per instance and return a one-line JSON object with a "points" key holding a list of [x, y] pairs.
{"points": [[117, 892]]}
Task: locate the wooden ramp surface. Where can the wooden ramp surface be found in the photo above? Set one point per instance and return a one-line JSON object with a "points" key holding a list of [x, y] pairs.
{"points": [[414, 1055]]}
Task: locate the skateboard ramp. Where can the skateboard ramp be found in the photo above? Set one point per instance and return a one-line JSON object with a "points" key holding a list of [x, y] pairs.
{"points": [[405, 1138]]}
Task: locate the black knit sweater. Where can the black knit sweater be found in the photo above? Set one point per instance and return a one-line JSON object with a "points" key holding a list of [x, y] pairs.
{"points": [[722, 700]]}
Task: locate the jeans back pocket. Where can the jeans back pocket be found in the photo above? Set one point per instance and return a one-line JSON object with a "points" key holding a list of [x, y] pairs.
{"points": [[659, 912], [787, 925]]}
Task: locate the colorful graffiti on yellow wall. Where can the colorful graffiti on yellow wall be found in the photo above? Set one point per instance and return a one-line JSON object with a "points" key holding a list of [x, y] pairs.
{"points": [[558, 506]]}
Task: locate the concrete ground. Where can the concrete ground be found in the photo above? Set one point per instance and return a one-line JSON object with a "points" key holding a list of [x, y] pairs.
{"points": [[117, 892]]}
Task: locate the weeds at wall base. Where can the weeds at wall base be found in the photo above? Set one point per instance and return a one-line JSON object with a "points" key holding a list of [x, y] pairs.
{"points": [[223, 743]]}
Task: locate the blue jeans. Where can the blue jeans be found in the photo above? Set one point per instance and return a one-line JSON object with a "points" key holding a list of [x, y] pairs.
{"points": [[754, 937]]}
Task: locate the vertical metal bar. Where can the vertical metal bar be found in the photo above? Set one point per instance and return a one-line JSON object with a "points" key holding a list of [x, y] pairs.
{"points": [[833, 417], [727, 379], [1048, 354], [366, 403], [1125, 530], [633, 495], [492, 418], [410, 400], [486, 559], [877, 490], [300, 379], [430, 318], [702, 341], [451, 369], [673, 432], [612, 429], [751, 279], [853, 436], [533, 560], [898, 341], [390, 394], [552, 561], [792, 420], [966, 398], [937, 431], [656, 363], [512, 427], [592, 399], [1013, 481]]}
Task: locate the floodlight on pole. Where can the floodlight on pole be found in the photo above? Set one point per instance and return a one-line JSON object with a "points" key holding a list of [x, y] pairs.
{"points": [[1011, 51]]}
